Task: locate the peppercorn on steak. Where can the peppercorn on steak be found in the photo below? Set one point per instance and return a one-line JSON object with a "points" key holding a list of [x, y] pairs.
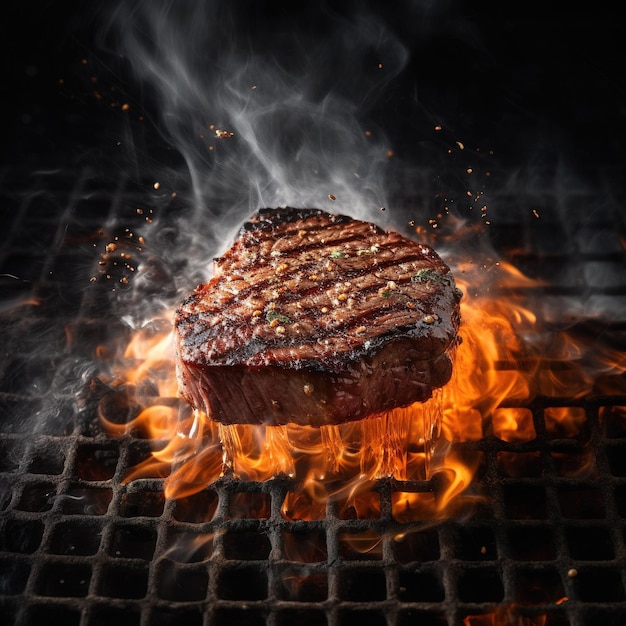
{"points": [[314, 318]]}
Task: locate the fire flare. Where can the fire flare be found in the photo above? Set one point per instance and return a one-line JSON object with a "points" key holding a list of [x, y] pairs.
{"points": [[495, 364]]}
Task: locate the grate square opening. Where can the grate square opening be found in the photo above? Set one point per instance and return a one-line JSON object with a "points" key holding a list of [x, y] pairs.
{"points": [[359, 506], [300, 584], [86, 223], [363, 545], [567, 422], [538, 586], [242, 583], [198, 508], [18, 405], [119, 406], [119, 581], [411, 617], [86, 500], [616, 454], [140, 453], [14, 575], [519, 464], [362, 585], [620, 498], [9, 609], [105, 615], [301, 617], [72, 289], [166, 616], [247, 545], [474, 543], [362, 617], [40, 210], [607, 615], [59, 422], [607, 274], [596, 584], [62, 579], [480, 585], [10, 454], [21, 536], [134, 542], [507, 238], [306, 546], [46, 459], [299, 505], [75, 538], [532, 543], [419, 545], [189, 547], [590, 543], [181, 584], [37, 497], [249, 504], [553, 618], [525, 501], [422, 585], [53, 615], [552, 379], [241, 617], [574, 463], [611, 384], [144, 503], [96, 462], [614, 420], [37, 371], [408, 506], [523, 428], [581, 502]]}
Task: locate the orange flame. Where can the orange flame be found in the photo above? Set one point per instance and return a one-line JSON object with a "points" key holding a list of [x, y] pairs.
{"points": [[495, 364], [505, 615]]}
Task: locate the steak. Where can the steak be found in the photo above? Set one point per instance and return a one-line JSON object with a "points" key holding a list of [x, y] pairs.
{"points": [[314, 318]]}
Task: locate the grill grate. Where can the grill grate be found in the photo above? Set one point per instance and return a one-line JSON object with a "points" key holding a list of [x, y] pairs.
{"points": [[78, 546]]}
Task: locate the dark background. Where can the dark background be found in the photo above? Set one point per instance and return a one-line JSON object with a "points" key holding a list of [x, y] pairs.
{"points": [[535, 81]]}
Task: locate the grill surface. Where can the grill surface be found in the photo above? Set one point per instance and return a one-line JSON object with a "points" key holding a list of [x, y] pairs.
{"points": [[80, 546]]}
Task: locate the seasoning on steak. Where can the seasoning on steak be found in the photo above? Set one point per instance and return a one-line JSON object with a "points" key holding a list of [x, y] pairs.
{"points": [[313, 318]]}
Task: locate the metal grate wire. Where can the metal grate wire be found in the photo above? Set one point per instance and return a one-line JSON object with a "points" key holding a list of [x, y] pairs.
{"points": [[79, 546]]}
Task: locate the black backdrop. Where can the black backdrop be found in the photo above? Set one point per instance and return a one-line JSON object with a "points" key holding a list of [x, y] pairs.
{"points": [[532, 74]]}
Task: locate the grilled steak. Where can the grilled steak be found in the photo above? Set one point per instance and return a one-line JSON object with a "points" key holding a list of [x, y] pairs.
{"points": [[313, 318]]}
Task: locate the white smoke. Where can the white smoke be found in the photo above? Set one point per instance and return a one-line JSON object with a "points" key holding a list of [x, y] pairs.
{"points": [[271, 107]]}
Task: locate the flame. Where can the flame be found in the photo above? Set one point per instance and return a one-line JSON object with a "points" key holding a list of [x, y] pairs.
{"points": [[497, 369], [505, 615]]}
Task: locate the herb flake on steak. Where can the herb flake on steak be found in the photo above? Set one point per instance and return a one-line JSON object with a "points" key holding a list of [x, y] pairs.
{"points": [[315, 318]]}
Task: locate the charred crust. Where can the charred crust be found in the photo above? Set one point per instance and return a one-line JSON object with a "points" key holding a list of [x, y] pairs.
{"points": [[189, 300], [283, 307], [268, 218]]}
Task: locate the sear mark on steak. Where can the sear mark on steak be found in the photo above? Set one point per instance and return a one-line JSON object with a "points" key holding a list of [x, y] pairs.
{"points": [[313, 318]]}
